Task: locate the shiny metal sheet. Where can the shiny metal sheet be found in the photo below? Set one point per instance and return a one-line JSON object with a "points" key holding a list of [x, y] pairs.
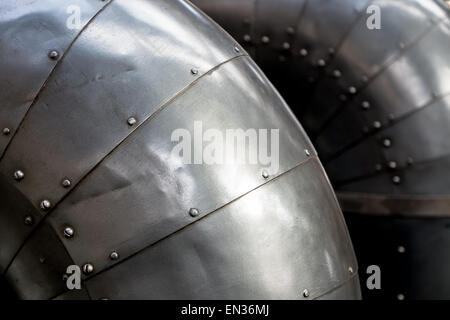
{"points": [[262, 246], [141, 193], [29, 31], [82, 114]]}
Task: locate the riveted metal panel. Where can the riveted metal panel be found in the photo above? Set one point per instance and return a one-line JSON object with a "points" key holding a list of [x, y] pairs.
{"points": [[260, 246], [37, 271], [429, 177], [29, 30], [429, 139], [143, 191], [17, 218], [82, 113], [392, 97]]}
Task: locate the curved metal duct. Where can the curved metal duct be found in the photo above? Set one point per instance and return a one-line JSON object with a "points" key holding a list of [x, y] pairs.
{"points": [[375, 102], [89, 177]]}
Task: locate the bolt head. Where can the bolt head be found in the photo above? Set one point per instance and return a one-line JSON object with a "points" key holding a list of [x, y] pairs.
{"points": [[131, 121], [400, 297], [352, 90], [114, 255], [193, 212], [377, 124], [265, 174], [286, 45], [68, 232], [307, 152], [88, 268], [401, 249], [45, 204], [53, 54], [265, 39], [66, 183], [194, 71], [305, 293], [247, 38], [6, 131], [321, 63], [28, 220], [350, 270], [392, 164], [387, 143], [303, 52], [365, 105], [337, 74], [396, 179], [19, 175], [237, 50]]}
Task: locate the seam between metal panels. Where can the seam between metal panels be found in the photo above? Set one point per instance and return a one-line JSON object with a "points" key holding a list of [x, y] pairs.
{"points": [[396, 121], [312, 158], [337, 50], [384, 68], [52, 72], [400, 169], [355, 274], [176, 95]]}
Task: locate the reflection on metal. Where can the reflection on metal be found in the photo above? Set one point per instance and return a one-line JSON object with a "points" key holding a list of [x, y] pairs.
{"points": [[377, 109], [90, 130]]}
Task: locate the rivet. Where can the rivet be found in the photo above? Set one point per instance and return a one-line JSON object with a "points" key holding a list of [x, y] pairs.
{"points": [[19, 175], [305, 293], [45, 204], [365, 105], [247, 38], [337, 74], [28, 220], [290, 30], [6, 131], [194, 71], [194, 212], [396, 179], [387, 143], [88, 268], [378, 167], [265, 174], [392, 164], [331, 51], [365, 129], [114, 255], [286, 46], [303, 52], [66, 183], [68, 232], [131, 121], [342, 97], [401, 249], [265, 39], [400, 297], [352, 90], [321, 63], [307, 152], [377, 124], [42, 260], [236, 49], [53, 54], [350, 270], [364, 78]]}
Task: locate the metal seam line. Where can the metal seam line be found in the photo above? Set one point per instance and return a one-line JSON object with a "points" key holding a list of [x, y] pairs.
{"points": [[58, 62], [312, 158]]}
